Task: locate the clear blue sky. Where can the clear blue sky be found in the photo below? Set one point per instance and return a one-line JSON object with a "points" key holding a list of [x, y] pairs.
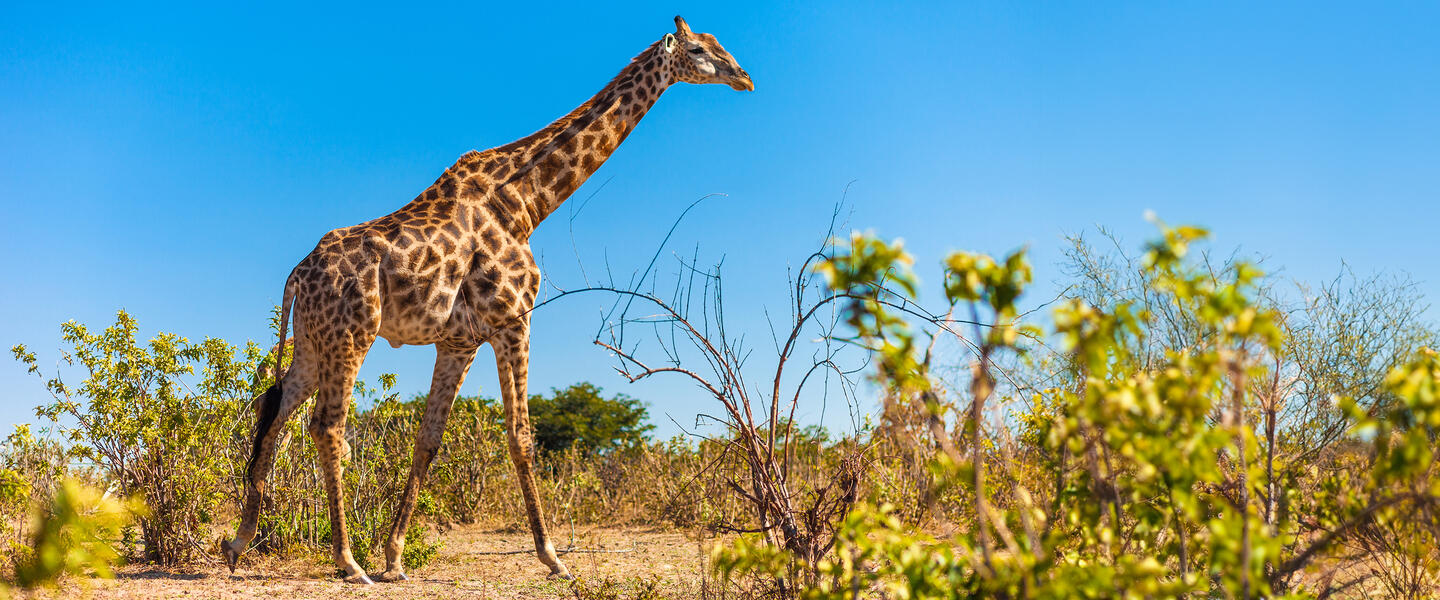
{"points": [[178, 160]]}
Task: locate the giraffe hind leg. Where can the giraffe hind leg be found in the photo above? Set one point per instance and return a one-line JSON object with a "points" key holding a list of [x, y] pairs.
{"points": [[327, 428], [272, 412]]}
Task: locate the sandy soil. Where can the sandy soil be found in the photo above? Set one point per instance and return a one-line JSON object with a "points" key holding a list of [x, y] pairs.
{"points": [[472, 563]]}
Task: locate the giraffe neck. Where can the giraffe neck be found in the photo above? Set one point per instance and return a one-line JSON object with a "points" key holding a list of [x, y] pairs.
{"points": [[535, 174]]}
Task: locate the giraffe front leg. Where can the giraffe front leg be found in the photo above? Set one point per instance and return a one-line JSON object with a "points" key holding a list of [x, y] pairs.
{"points": [[513, 357], [451, 366]]}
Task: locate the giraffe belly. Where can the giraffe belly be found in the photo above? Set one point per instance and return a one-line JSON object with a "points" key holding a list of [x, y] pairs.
{"points": [[464, 326], [416, 325], [397, 334]]}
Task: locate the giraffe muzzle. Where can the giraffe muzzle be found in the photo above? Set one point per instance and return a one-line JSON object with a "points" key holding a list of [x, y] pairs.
{"points": [[741, 82]]}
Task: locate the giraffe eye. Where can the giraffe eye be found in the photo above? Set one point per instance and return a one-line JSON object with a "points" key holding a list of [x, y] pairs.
{"points": [[697, 50]]}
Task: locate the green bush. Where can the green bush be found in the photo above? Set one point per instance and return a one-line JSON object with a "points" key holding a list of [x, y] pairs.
{"points": [[473, 465], [142, 412], [74, 535], [419, 550], [1172, 431], [1149, 480]]}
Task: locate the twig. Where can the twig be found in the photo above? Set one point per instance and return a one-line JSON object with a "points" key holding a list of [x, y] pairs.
{"points": [[569, 550]]}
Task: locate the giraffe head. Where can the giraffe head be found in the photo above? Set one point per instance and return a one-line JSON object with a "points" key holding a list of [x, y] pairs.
{"points": [[699, 58]]}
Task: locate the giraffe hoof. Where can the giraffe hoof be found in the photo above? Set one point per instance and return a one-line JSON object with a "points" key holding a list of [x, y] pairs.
{"points": [[361, 579], [232, 556], [560, 575], [392, 576]]}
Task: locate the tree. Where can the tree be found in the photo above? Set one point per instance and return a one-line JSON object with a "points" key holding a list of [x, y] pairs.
{"points": [[579, 416]]}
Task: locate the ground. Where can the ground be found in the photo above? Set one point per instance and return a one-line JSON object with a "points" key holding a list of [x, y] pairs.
{"points": [[473, 562]]}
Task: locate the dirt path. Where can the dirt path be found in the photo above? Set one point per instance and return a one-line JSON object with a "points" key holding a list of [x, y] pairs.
{"points": [[458, 571]]}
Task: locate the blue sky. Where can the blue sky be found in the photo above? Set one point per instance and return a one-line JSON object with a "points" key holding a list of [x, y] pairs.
{"points": [[177, 160]]}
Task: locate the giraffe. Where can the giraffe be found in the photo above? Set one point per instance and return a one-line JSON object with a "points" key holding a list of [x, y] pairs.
{"points": [[453, 268]]}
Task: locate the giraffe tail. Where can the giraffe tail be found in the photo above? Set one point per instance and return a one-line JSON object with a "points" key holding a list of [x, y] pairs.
{"points": [[266, 412], [287, 302], [267, 407]]}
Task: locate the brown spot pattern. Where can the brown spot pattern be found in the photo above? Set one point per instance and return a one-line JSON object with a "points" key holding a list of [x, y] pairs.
{"points": [[452, 268]]}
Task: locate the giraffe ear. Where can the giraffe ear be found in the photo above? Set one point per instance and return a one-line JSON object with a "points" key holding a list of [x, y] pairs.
{"points": [[669, 42], [682, 28]]}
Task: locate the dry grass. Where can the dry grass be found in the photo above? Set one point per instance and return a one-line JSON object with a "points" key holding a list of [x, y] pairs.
{"points": [[462, 569]]}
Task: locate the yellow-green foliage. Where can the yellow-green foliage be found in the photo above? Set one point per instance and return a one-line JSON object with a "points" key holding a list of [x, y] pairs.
{"points": [[1151, 464], [142, 411], [1157, 458], [75, 535]]}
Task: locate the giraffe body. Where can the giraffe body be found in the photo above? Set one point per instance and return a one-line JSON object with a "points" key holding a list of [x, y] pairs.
{"points": [[453, 268]]}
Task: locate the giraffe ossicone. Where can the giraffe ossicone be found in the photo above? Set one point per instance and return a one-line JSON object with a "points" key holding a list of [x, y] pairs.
{"points": [[453, 269]]}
